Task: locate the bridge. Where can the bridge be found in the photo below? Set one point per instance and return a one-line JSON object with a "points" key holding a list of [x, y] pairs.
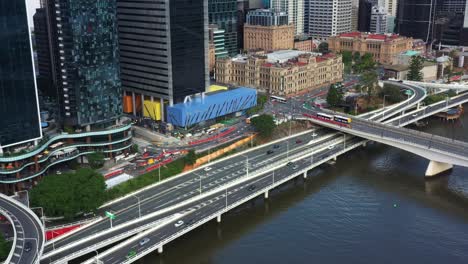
{"points": [[200, 195], [27, 229]]}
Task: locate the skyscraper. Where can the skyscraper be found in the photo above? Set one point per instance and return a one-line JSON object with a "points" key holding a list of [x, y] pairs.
{"points": [[378, 21], [329, 17], [41, 36], [86, 60], [163, 52], [224, 14], [295, 11], [365, 9], [19, 107]]}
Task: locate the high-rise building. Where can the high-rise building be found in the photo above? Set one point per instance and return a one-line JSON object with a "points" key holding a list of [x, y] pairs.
{"points": [[329, 17], [365, 10], [224, 14], [269, 30], [163, 52], [243, 7], [42, 44], [217, 37], [415, 18], [86, 61], [19, 107], [295, 11], [391, 6], [355, 15], [378, 21]]}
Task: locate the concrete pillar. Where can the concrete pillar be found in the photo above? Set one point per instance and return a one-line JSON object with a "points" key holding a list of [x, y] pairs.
{"points": [[435, 168], [1, 150], [305, 175], [364, 144], [335, 158], [152, 98], [160, 249], [266, 194], [418, 106], [218, 218], [162, 109], [88, 128], [133, 103]]}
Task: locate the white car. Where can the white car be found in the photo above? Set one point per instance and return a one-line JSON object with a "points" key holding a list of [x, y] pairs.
{"points": [[207, 168], [414, 115], [179, 223], [331, 147], [144, 241], [314, 134]]}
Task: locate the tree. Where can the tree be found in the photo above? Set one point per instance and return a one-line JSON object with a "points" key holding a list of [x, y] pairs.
{"points": [[369, 79], [190, 158], [96, 159], [323, 47], [69, 194], [366, 63], [415, 67], [334, 96], [357, 57], [264, 125], [261, 100], [347, 57], [5, 247], [392, 93]]}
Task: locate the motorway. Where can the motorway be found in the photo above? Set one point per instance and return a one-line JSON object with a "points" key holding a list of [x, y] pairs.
{"points": [[177, 190], [28, 230], [198, 212], [174, 191]]}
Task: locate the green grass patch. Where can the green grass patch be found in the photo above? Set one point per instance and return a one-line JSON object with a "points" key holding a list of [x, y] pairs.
{"points": [[146, 179]]}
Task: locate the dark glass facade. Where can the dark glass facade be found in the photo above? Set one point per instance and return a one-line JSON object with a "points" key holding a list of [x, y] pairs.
{"points": [[41, 36], [364, 15], [163, 47], [414, 19], [224, 14], [18, 96], [86, 60]]}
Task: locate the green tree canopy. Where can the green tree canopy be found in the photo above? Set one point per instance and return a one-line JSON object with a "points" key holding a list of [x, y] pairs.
{"points": [[347, 57], [323, 47], [369, 80], [264, 125], [96, 159], [365, 63], [392, 93], [335, 95], [69, 194], [5, 247], [415, 67], [190, 158]]}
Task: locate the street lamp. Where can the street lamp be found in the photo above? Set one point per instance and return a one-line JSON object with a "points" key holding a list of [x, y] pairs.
{"points": [[139, 207], [383, 112]]}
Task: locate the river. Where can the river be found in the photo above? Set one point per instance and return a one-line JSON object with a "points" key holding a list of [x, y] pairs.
{"points": [[373, 206]]}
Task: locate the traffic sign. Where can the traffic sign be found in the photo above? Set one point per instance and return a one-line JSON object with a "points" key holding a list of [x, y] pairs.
{"points": [[110, 215]]}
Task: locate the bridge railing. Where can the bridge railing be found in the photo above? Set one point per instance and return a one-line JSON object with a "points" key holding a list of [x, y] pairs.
{"points": [[13, 245], [234, 205]]}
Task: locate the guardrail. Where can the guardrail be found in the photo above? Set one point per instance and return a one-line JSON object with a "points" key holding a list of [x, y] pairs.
{"points": [[27, 210], [193, 199], [225, 209], [112, 240], [13, 246]]}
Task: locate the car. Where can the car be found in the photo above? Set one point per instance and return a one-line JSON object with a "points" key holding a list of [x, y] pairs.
{"points": [[58, 172], [269, 152], [144, 241], [414, 115], [191, 222], [289, 164], [27, 246], [252, 187], [295, 167], [179, 223], [314, 134], [276, 146], [331, 147], [207, 168], [298, 141]]}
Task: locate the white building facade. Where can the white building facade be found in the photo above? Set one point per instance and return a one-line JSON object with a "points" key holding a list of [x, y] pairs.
{"points": [[295, 11], [329, 17]]}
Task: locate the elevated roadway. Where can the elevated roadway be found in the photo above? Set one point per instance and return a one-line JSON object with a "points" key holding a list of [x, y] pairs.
{"points": [[27, 230]]}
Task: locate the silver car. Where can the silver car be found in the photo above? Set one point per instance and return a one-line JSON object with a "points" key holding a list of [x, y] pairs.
{"points": [[144, 241]]}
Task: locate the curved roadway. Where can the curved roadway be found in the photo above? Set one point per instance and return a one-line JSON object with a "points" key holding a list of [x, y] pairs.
{"points": [[28, 229]]}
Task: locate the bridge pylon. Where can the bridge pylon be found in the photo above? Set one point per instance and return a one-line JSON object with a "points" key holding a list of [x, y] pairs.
{"points": [[435, 168]]}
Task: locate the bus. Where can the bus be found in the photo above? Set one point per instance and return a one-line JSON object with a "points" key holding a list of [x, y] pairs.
{"points": [[342, 119], [278, 99], [114, 173], [324, 116]]}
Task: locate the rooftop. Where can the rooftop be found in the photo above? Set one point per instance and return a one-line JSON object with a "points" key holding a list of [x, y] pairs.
{"points": [[370, 36]]}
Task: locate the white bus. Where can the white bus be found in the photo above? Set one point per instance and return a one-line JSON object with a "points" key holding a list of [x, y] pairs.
{"points": [[278, 99]]}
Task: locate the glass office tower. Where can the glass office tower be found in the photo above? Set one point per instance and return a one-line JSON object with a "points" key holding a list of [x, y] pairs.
{"points": [[19, 110], [86, 60]]}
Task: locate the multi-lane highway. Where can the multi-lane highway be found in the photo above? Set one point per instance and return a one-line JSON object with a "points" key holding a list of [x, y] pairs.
{"points": [[177, 190], [29, 232]]}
